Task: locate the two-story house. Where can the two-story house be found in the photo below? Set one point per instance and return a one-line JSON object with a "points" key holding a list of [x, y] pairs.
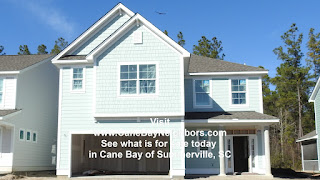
{"points": [[123, 73], [28, 112]]}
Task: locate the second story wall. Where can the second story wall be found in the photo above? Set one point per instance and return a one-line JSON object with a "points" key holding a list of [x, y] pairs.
{"points": [[168, 94], [220, 95]]}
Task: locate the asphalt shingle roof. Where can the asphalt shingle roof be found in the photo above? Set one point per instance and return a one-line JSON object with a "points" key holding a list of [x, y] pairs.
{"points": [[19, 62], [309, 135], [205, 64], [247, 115], [7, 112]]}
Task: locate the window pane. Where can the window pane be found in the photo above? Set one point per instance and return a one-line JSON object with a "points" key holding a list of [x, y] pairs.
{"points": [[242, 88], [0, 97], [128, 87], [198, 86], [132, 68], [235, 82], [242, 82], [133, 75], [77, 84], [124, 68], [235, 101], [202, 99], [21, 134], [234, 95], [28, 136], [1, 85], [235, 88], [143, 68], [147, 86], [124, 75], [242, 101], [242, 95], [143, 75], [34, 137]]}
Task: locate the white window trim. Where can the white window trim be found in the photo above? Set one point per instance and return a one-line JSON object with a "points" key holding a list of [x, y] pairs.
{"points": [[3, 92], [27, 135], [194, 94], [83, 90], [24, 134], [36, 136], [247, 93], [138, 80], [1, 137], [209, 139]]}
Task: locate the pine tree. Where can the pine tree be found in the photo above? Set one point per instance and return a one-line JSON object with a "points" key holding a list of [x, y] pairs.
{"points": [[314, 52], [59, 45], [181, 41], [209, 48], [42, 49], [1, 50], [165, 32], [24, 50]]}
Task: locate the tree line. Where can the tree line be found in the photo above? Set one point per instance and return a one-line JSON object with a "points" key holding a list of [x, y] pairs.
{"points": [[59, 45]]}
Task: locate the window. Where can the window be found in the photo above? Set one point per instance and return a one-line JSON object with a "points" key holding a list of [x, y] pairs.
{"points": [[28, 136], [238, 90], [132, 83], [77, 81], [21, 134], [202, 92], [253, 154], [1, 90], [34, 137]]}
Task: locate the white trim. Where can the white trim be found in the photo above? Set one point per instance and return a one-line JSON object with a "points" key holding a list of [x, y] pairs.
{"points": [[310, 138], [1, 137], [92, 29], [182, 91], [314, 92], [71, 62], [138, 79], [111, 39], [59, 123], [24, 134], [9, 72], [229, 73], [260, 95], [2, 103], [104, 115], [28, 131], [235, 121], [176, 172], [246, 92], [194, 94], [83, 90], [302, 158]]}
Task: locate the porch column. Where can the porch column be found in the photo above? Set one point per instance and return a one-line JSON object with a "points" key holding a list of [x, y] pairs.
{"points": [[221, 149], [267, 151]]}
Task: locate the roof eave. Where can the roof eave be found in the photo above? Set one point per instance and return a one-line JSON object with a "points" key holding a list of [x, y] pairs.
{"points": [[9, 115], [9, 72], [229, 73], [306, 139]]}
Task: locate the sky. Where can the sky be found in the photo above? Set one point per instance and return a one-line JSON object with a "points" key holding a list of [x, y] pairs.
{"points": [[249, 29]]}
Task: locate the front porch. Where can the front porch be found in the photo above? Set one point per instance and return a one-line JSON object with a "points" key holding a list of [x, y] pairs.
{"points": [[242, 144]]}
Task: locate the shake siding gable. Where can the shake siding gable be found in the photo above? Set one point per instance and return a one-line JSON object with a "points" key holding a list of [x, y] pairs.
{"points": [[101, 35], [152, 50]]}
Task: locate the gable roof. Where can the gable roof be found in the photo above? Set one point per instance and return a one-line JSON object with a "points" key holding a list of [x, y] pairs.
{"points": [[201, 64], [119, 8], [311, 135], [20, 62], [315, 91], [137, 19]]}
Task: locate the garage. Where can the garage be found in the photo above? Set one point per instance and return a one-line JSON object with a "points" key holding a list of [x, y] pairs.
{"points": [[102, 155]]}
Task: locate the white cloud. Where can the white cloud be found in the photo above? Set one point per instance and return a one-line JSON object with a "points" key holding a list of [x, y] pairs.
{"points": [[49, 15]]}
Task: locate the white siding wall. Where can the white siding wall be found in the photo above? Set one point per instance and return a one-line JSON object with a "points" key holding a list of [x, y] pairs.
{"points": [[37, 97]]}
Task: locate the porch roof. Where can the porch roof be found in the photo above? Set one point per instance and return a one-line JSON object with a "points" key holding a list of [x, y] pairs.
{"points": [[8, 112], [230, 115], [309, 136]]}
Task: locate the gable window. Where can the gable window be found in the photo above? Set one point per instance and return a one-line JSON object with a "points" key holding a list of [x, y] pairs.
{"points": [[238, 91], [77, 79], [1, 90], [138, 79], [202, 93]]}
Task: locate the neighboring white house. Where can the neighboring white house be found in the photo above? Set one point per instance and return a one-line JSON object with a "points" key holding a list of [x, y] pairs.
{"points": [[28, 112], [123, 71]]}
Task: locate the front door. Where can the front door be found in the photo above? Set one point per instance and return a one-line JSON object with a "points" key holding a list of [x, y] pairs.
{"points": [[240, 154]]}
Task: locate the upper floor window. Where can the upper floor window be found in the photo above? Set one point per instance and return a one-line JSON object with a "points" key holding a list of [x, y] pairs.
{"points": [[202, 93], [138, 79], [77, 79], [238, 90], [1, 90]]}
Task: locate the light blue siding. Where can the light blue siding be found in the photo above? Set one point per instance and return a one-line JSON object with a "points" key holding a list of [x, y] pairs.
{"points": [[101, 35], [153, 50], [221, 95], [317, 121]]}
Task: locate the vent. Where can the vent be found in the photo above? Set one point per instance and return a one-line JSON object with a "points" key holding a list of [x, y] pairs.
{"points": [[137, 37]]}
